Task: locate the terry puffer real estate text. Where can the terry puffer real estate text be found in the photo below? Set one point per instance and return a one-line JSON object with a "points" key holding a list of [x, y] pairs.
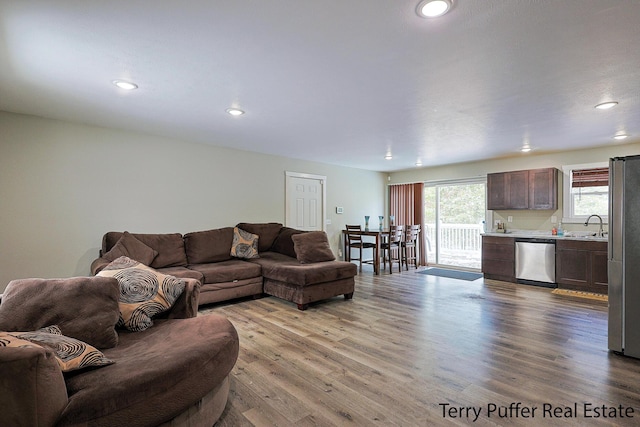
{"points": [[547, 410]]}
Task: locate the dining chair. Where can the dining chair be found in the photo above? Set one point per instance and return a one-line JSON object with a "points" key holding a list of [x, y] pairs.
{"points": [[410, 244], [354, 241], [392, 248]]}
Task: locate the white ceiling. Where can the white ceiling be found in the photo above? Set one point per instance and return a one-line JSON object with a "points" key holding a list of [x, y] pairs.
{"points": [[335, 81]]}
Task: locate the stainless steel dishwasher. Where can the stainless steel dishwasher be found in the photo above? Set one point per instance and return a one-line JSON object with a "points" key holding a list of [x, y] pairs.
{"points": [[536, 261]]}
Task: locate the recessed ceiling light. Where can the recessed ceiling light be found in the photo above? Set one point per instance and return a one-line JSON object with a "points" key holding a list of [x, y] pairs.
{"points": [[125, 85], [235, 111], [388, 156], [621, 136], [525, 148], [606, 105], [433, 8]]}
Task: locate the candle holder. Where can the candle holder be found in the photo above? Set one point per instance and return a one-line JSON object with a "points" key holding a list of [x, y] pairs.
{"points": [[381, 218], [392, 220], [366, 222]]}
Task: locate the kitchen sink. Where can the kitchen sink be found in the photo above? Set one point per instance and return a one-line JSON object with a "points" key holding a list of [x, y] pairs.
{"points": [[590, 236]]}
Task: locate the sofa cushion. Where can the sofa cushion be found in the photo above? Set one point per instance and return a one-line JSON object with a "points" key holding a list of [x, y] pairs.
{"points": [[170, 247], [133, 248], [245, 244], [144, 292], [267, 232], [208, 246], [163, 369], [71, 354], [312, 247], [182, 273], [284, 243], [285, 269], [85, 308], [227, 271]]}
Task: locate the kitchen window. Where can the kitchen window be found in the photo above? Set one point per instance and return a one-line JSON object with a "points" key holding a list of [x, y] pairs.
{"points": [[585, 192]]}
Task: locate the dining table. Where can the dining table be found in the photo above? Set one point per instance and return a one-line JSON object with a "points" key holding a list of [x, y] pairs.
{"points": [[379, 234]]}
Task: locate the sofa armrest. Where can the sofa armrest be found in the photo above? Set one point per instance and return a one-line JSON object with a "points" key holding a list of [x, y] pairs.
{"points": [[186, 305], [32, 389], [98, 264]]}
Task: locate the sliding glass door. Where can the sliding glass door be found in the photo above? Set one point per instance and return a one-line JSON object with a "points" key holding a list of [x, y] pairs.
{"points": [[454, 215]]}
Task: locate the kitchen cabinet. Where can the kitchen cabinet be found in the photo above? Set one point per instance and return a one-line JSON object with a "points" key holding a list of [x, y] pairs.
{"points": [[498, 258], [526, 189], [582, 265], [543, 188], [508, 190]]}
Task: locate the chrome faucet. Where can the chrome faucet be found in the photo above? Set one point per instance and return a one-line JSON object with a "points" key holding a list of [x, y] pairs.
{"points": [[600, 232]]}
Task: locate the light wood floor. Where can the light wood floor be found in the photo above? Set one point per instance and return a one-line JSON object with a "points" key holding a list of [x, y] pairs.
{"points": [[409, 343]]}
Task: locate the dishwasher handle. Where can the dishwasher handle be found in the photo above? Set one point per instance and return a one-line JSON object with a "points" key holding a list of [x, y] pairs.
{"points": [[536, 240]]}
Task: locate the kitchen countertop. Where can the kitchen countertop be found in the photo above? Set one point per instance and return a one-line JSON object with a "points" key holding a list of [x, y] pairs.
{"points": [[582, 236]]}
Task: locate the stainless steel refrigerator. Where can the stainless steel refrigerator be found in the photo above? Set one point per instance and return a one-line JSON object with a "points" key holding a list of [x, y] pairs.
{"points": [[624, 255]]}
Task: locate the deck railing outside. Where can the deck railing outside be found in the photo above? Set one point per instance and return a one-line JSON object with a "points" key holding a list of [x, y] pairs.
{"points": [[460, 244]]}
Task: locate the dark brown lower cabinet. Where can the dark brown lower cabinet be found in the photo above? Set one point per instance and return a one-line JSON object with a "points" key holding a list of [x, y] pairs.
{"points": [[498, 258], [582, 265]]}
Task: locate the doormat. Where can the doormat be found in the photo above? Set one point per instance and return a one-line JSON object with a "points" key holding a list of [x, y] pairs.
{"points": [[452, 274], [579, 294]]}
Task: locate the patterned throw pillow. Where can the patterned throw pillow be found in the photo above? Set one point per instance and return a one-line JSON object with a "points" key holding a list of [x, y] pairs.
{"points": [[71, 354], [8, 340], [245, 244], [144, 292]]}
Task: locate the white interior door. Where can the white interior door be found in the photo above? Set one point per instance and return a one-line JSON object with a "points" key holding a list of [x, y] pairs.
{"points": [[305, 201]]}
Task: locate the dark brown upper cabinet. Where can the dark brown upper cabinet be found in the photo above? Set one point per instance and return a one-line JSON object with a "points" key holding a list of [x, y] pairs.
{"points": [[527, 189]]}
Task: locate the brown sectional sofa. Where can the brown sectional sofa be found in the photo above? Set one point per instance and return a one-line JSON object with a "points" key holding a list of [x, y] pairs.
{"points": [[174, 373], [205, 256]]}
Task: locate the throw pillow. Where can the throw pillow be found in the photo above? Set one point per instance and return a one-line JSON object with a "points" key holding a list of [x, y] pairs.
{"points": [[245, 244], [132, 248], [170, 247], [144, 292], [8, 340], [85, 308], [312, 247], [71, 354]]}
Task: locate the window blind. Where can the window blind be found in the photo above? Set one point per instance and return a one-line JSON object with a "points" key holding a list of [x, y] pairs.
{"points": [[596, 177]]}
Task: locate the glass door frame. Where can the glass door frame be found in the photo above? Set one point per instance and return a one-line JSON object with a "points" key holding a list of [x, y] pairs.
{"points": [[488, 215]]}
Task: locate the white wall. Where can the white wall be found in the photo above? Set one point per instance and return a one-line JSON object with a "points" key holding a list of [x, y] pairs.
{"points": [[63, 185], [522, 219]]}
